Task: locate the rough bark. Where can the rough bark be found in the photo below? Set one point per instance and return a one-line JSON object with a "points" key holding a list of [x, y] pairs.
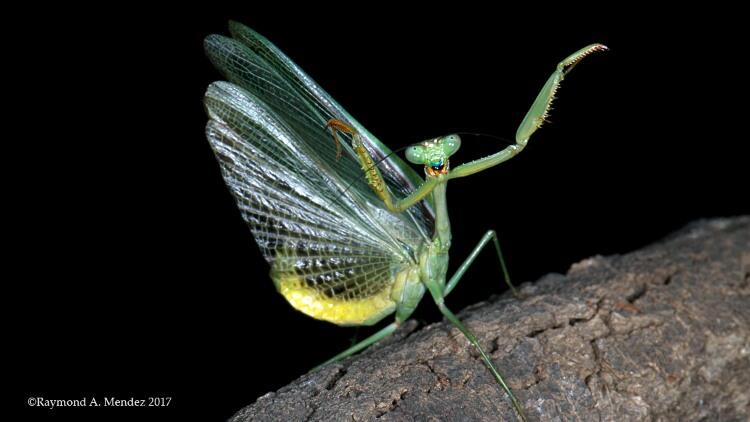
{"points": [[662, 333]]}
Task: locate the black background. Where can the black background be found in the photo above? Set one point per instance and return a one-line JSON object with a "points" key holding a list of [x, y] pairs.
{"points": [[132, 273]]}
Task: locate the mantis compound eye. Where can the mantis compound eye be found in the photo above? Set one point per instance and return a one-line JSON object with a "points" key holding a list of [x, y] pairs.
{"points": [[416, 154]]}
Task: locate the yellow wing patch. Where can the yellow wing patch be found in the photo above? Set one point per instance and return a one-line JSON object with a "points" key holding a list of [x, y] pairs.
{"points": [[312, 302], [345, 287]]}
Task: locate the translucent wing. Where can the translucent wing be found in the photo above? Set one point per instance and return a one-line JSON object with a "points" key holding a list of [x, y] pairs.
{"points": [[334, 253], [252, 62]]}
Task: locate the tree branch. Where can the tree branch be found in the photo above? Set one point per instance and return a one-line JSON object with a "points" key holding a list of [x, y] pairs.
{"points": [[662, 333]]}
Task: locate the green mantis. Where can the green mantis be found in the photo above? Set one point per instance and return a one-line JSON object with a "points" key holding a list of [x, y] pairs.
{"points": [[353, 234]]}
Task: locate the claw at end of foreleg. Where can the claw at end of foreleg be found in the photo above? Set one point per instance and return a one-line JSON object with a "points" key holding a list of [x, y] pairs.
{"points": [[572, 60]]}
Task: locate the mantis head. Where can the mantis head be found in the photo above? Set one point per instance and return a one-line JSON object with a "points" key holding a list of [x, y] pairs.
{"points": [[434, 154]]}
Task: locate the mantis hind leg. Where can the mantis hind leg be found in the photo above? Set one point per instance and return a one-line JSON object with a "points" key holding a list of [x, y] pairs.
{"points": [[439, 296], [487, 361], [381, 334], [490, 235]]}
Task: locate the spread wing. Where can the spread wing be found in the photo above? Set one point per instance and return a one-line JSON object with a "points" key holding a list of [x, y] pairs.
{"points": [[255, 64], [334, 251]]}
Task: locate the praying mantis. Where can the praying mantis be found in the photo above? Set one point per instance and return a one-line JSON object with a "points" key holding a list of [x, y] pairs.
{"points": [[352, 232]]}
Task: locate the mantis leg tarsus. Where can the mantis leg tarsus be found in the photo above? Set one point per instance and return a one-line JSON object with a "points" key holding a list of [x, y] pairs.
{"points": [[381, 334], [490, 235], [335, 126], [338, 144]]}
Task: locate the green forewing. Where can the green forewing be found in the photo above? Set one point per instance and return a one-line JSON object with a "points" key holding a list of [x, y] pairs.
{"points": [[254, 63]]}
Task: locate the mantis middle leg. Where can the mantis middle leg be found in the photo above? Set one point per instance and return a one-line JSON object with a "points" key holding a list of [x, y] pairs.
{"points": [[490, 235]]}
